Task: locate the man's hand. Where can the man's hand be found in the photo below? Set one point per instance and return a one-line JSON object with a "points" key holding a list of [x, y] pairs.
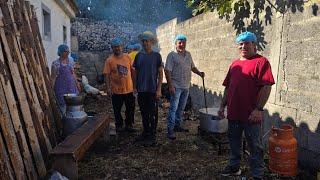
{"points": [[221, 113], [109, 92], [201, 74], [172, 90], [158, 94], [256, 116]]}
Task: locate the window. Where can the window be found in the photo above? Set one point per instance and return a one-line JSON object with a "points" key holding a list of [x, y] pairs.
{"points": [[64, 34], [46, 22]]}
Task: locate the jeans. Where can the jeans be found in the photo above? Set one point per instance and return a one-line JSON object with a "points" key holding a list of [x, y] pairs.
{"points": [[252, 134], [178, 102], [149, 112], [117, 103]]}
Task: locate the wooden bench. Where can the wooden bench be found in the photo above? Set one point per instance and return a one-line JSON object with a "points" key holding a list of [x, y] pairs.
{"points": [[66, 155]]}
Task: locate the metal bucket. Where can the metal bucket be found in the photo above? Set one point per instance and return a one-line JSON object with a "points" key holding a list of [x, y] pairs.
{"points": [[75, 115], [210, 121]]}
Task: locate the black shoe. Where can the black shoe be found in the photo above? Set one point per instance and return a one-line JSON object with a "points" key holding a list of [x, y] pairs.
{"points": [[150, 141], [119, 129], [171, 135], [142, 137], [231, 171], [180, 129], [130, 129]]}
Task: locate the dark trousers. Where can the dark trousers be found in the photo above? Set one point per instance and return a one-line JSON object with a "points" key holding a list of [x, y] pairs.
{"points": [[149, 112], [252, 134], [117, 101]]}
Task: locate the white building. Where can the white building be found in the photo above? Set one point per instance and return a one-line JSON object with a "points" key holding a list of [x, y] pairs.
{"points": [[54, 18]]}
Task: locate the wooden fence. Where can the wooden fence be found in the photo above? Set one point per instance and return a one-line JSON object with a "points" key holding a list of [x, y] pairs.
{"points": [[28, 112]]}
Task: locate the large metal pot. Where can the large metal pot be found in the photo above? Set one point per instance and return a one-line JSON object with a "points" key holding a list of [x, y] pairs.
{"points": [[210, 121], [75, 115]]}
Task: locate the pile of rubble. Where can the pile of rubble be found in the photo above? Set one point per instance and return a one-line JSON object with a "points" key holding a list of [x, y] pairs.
{"points": [[96, 35]]}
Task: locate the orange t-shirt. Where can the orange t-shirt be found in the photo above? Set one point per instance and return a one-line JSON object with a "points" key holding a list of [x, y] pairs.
{"points": [[119, 70]]}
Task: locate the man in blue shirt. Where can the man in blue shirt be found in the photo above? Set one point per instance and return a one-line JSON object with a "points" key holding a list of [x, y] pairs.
{"points": [[147, 81]]}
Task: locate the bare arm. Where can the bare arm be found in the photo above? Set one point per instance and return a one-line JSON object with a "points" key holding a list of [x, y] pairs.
{"points": [[224, 98], [196, 71], [223, 103], [263, 96], [134, 79], [108, 85], [169, 81], [256, 115], [159, 85]]}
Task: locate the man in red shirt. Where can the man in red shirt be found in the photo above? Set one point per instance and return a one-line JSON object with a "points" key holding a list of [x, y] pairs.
{"points": [[247, 89]]}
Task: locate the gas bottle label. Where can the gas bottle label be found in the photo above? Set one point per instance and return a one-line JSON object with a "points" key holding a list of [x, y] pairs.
{"points": [[279, 150]]}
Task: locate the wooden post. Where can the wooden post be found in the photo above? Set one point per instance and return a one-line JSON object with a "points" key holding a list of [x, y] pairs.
{"points": [[11, 46]]}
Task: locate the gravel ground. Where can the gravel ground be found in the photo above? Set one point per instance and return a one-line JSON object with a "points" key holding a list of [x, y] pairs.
{"points": [[190, 156]]}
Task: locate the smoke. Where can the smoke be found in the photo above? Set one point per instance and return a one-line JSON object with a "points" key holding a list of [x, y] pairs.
{"points": [[147, 12]]}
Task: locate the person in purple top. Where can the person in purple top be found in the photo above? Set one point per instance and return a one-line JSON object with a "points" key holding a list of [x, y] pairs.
{"points": [[63, 77]]}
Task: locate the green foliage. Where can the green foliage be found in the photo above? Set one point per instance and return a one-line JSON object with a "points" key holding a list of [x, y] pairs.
{"points": [[247, 16]]}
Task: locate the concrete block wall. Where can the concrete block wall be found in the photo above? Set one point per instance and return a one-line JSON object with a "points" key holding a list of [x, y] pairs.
{"points": [[291, 47]]}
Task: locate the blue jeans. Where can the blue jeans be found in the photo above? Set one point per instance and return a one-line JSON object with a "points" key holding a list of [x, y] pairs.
{"points": [[252, 134], [178, 102]]}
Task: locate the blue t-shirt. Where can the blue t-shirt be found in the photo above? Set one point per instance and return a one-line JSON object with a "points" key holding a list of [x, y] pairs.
{"points": [[147, 68]]}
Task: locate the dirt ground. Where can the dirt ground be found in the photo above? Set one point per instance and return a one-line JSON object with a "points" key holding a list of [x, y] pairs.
{"points": [[190, 156]]}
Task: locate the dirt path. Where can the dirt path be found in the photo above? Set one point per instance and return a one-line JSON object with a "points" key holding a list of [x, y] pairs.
{"points": [[188, 157]]}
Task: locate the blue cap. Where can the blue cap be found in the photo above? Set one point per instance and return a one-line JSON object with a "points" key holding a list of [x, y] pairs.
{"points": [[74, 56], [62, 48], [246, 37], [137, 46], [130, 47], [116, 42], [147, 35], [180, 37]]}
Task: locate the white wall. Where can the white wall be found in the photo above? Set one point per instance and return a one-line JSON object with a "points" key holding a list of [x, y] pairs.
{"points": [[59, 18]]}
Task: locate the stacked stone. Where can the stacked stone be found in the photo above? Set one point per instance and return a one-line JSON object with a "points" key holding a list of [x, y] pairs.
{"points": [[97, 35]]}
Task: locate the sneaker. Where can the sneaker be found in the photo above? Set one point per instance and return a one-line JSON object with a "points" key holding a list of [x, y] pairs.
{"points": [[231, 171], [180, 129], [171, 135]]}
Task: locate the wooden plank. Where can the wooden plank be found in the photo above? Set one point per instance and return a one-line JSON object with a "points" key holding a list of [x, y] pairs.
{"points": [[11, 103], [78, 142], [27, 81], [10, 138], [40, 53], [22, 99], [36, 71], [40, 119], [5, 166]]}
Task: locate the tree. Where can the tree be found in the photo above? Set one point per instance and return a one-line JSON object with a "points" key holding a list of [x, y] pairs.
{"points": [[246, 15]]}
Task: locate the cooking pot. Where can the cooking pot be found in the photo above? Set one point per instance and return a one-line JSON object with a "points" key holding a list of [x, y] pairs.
{"points": [[211, 122]]}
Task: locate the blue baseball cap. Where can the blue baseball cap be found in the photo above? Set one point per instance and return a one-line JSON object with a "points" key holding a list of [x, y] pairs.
{"points": [[116, 42], [180, 37], [246, 37]]}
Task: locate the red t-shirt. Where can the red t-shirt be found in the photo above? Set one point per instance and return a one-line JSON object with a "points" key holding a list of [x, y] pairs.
{"points": [[244, 81]]}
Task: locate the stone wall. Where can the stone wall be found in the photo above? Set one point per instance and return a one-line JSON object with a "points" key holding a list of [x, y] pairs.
{"points": [[91, 41], [291, 46]]}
